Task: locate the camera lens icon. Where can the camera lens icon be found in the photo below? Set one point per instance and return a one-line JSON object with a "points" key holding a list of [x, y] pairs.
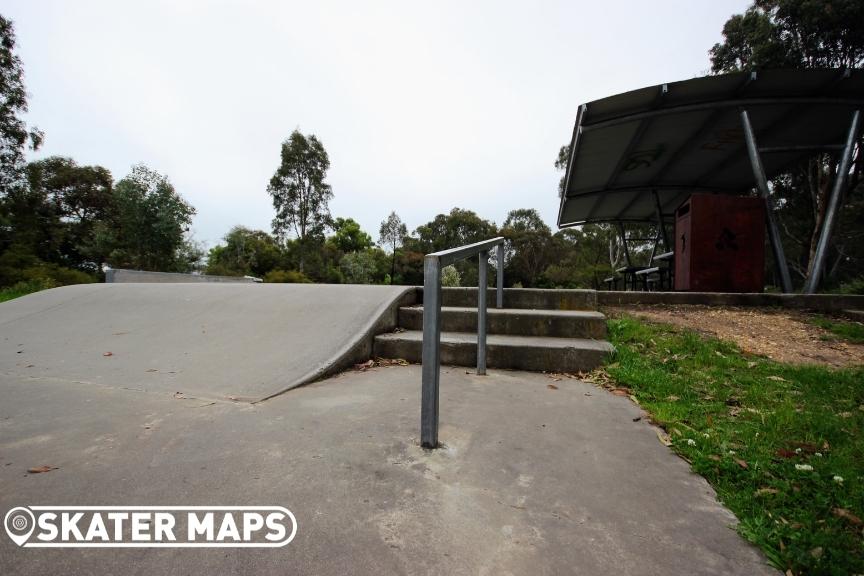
{"points": [[19, 523]]}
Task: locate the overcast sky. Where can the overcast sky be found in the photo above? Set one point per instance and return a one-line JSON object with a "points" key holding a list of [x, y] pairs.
{"points": [[422, 106]]}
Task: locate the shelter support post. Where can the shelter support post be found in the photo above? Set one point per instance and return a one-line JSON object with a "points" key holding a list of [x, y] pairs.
{"points": [[624, 243], [762, 184], [818, 263], [660, 222]]}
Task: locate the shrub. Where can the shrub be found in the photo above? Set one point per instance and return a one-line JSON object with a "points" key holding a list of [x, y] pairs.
{"points": [[855, 286], [450, 277], [278, 276]]}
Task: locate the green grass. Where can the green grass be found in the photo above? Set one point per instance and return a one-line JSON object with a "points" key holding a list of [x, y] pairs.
{"points": [[849, 331], [744, 423], [22, 289]]}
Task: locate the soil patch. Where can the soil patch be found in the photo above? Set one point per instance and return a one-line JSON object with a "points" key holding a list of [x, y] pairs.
{"points": [[782, 335]]}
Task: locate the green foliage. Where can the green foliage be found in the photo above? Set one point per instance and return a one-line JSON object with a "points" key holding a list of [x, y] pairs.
{"points": [[245, 253], [56, 214], [792, 34], [358, 267], [300, 194], [846, 330], [392, 234], [450, 277], [149, 225], [349, 237], [457, 228], [23, 288], [854, 286], [527, 250], [561, 164], [744, 423], [14, 135], [17, 265], [286, 277]]}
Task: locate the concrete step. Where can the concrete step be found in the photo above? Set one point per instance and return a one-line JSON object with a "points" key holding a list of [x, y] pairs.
{"points": [[531, 353], [531, 298], [514, 321]]}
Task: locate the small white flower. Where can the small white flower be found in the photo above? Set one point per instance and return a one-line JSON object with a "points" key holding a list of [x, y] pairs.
{"points": [[797, 450], [691, 442], [838, 479], [819, 454], [706, 435], [804, 467], [731, 452]]}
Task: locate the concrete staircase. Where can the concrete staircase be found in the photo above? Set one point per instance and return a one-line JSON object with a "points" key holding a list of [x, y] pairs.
{"points": [[537, 330]]}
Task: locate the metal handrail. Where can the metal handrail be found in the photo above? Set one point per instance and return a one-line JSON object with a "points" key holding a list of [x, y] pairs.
{"points": [[432, 265]]}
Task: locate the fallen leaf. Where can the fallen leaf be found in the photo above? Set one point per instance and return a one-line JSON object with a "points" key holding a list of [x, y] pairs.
{"points": [[786, 453], [763, 491], [751, 364], [363, 366], [741, 463], [179, 395], [152, 370], [551, 387], [847, 515], [777, 379], [672, 398], [637, 419], [663, 437], [108, 354], [41, 469], [715, 457], [620, 392]]}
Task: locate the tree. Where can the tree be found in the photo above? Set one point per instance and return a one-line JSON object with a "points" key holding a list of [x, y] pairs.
{"points": [[358, 267], [457, 228], [14, 135], [527, 247], [300, 195], [67, 201], [792, 34], [349, 237], [148, 230], [245, 252], [392, 233], [561, 164], [803, 34]]}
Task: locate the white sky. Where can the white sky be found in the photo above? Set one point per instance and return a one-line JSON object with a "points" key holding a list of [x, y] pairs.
{"points": [[421, 106]]}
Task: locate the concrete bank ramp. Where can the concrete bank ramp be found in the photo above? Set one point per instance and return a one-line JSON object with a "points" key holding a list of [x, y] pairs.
{"points": [[241, 342]]}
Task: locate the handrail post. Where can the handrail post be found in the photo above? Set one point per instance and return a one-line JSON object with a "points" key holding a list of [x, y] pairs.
{"points": [[431, 351], [481, 312], [431, 369], [499, 297]]}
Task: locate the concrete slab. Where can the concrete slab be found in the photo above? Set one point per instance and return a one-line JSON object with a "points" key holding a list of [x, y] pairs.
{"points": [[532, 480], [244, 341]]}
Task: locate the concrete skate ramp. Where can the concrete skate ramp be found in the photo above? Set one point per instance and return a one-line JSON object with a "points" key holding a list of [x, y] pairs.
{"points": [[218, 341]]}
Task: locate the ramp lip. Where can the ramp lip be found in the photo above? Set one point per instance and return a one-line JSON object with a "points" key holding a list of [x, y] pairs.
{"points": [[340, 358]]}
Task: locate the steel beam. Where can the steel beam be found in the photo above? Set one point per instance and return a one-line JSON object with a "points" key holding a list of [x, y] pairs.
{"points": [[762, 184], [833, 206]]}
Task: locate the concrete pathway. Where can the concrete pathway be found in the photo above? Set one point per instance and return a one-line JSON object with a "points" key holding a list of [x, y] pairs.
{"points": [[244, 341], [531, 480]]}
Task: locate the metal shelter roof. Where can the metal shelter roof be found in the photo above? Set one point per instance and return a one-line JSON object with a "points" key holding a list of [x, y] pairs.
{"points": [[654, 146]]}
